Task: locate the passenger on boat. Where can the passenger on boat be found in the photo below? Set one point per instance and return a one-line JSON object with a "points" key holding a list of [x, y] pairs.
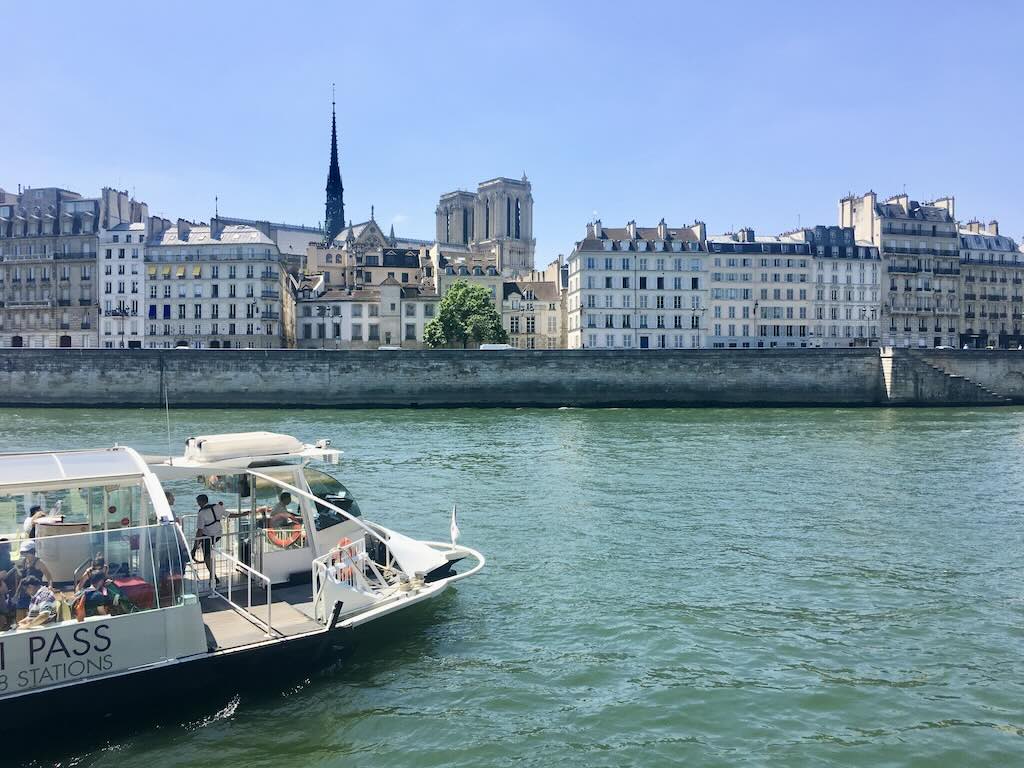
{"points": [[209, 529], [95, 600], [6, 607], [42, 603], [98, 565], [280, 515], [29, 526], [5, 558], [29, 565]]}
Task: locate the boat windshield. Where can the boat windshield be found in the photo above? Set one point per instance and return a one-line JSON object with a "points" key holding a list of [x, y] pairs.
{"points": [[321, 485]]}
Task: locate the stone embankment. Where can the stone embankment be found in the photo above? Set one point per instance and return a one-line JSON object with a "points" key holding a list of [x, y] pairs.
{"points": [[508, 378]]}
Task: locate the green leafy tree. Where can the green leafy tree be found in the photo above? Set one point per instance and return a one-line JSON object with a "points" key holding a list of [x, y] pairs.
{"points": [[465, 314]]}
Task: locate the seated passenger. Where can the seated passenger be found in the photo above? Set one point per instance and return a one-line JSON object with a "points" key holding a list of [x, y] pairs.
{"points": [[42, 607], [5, 558], [95, 600], [280, 515], [6, 607], [98, 565], [29, 565]]}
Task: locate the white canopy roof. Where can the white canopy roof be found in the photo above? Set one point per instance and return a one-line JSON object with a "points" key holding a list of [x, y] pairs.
{"points": [[69, 467], [236, 452]]}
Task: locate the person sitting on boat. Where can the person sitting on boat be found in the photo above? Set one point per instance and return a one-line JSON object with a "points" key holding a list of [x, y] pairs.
{"points": [[5, 558], [280, 515], [98, 565], [42, 607], [28, 565], [95, 600], [7, 610]]}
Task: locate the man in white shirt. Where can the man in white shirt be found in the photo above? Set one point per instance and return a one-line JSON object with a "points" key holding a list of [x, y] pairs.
{"points": [[208, 530]]}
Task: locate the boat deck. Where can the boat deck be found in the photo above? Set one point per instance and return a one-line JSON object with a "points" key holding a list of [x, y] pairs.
{"points": [[291, 613]]}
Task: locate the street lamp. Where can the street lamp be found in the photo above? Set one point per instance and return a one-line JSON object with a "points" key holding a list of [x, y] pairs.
{"points": [[321, 312]]}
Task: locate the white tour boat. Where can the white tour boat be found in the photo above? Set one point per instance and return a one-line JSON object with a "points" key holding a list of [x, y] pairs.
{"points": [[294, 565]]}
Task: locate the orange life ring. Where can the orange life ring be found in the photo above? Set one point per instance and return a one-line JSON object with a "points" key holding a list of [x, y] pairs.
{"points": [[284, 537]]}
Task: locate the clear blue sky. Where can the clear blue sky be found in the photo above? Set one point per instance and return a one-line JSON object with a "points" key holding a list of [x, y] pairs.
{"points": [[740, 114]]}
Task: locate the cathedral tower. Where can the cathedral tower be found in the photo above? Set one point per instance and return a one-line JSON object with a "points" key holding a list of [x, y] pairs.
{"points": [[334, 218]]}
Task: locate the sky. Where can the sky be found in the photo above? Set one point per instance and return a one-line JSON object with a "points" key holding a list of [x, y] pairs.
{"points": [[734, 113]]}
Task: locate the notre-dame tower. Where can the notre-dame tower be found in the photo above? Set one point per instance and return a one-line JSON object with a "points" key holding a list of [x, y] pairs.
{"points": [[498, 219]]}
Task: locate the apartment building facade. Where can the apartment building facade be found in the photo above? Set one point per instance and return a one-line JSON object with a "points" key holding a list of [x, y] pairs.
{"points": [[760, 291], [992, 274], [48, 252], [216, 286], [386, 315], [919, 244], [846, 290], [638, 287], [121, 279]]}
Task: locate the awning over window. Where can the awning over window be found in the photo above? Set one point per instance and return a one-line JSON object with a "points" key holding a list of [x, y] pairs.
{"points": [[197, 271], [180, 272], [167, 272], [151, 271]]}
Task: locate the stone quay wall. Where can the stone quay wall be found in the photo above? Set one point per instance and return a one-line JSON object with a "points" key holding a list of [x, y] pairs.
{"points": [[504, 378]]}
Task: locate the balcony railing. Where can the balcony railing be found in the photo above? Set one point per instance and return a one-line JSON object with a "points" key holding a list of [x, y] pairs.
{"points": [[946, 271], [266, 294], [903, 270], [891, 230], [969, 279], [85, 302], [970, 296]]}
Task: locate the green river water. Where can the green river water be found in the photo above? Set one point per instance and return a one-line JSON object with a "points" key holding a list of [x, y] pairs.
{"points": [[708, 587]]}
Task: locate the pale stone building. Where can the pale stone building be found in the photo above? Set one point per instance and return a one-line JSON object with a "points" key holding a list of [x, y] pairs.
{"points": [[121, 271], [363, 256], [216, 286], [992, 274], [919, 245], [49, 241], [847, 289], [495, 222], [385, 315], [638, 287], [533, 308], [292, 240], [760, 291]]}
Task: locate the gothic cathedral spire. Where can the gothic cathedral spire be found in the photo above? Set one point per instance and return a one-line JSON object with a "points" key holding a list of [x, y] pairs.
{"points": [[334, 219]]}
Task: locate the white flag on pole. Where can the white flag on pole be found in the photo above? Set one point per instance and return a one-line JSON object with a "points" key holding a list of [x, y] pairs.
{"points": [[455, 525]]}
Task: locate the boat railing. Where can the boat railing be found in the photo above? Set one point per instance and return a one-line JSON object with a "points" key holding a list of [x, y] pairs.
{"points": [[224, 562], [350, 566]]}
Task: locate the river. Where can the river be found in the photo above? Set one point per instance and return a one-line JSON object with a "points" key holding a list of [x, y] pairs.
{"points": [[714, 587]]}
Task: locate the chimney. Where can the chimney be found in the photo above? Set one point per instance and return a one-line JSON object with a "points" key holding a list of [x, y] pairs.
{"points": [[183, 229], [993, 227], [631, 229], [216, 227], [662, 230], [598, 229], [590, 231]]}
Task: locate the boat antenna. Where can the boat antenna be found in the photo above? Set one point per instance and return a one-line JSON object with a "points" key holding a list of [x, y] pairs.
{"points": [[167, 414]]}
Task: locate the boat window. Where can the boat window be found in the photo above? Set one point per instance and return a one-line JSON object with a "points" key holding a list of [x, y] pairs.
{"points": [[328, 488], [135, 568], [74, 510]]}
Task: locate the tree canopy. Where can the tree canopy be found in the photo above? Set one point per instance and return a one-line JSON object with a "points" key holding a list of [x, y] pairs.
{"points": [[465, 314]]}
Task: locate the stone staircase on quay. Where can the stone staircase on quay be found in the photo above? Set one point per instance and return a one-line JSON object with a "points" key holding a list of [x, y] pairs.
{"points": [[911, 378]]}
